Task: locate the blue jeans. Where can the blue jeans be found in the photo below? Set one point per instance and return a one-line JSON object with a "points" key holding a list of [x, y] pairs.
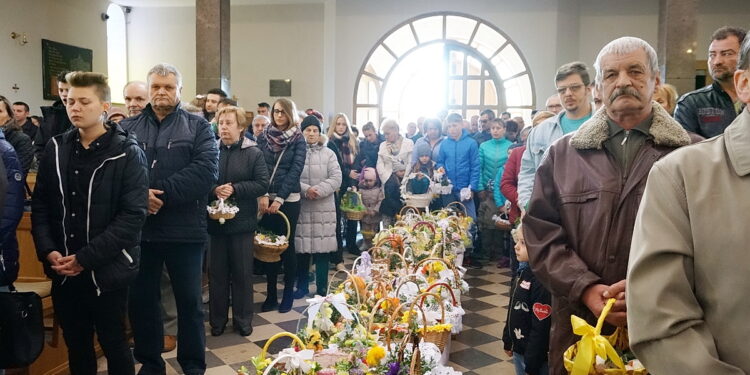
{"points": [[184, 264], [520, 365]]}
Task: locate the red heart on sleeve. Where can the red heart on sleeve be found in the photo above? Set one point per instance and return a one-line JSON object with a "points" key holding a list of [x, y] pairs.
{"points": [[542, 311]]}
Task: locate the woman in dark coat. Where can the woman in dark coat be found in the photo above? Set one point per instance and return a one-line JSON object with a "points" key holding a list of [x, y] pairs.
{"points": [[344, 143], [243, 177], [15, 136], [284, 150]]}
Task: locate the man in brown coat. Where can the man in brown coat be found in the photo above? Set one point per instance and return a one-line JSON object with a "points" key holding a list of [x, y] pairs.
{"points": [[580, 219]]}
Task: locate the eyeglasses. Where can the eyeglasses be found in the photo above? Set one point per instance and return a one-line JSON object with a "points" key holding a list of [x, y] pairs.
{"points": [[279, 111], [573, 89]]}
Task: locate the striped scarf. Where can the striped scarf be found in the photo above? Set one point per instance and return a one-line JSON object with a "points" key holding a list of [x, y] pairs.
{"points": [[278, 140], [342, 142]]}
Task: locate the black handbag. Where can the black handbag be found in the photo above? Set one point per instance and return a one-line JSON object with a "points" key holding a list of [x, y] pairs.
{"points": [[21, 328]]}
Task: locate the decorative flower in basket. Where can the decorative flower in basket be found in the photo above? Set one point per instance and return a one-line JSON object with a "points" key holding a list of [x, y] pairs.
{"points": [[222, 210], [351, 204], [268, 246]]}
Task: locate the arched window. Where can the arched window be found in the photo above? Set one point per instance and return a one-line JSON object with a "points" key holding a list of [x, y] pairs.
{"points": [[442, 61], [117, 52]]}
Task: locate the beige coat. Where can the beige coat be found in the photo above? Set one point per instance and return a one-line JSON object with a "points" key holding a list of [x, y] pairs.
{"points": [[689, 269]]}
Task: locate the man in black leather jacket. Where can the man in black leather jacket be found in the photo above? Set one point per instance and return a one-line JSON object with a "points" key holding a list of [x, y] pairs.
{"points": [[709, 110]]}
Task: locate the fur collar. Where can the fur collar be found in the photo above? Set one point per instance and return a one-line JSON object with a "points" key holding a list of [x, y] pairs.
{"points": [[665, 130]]}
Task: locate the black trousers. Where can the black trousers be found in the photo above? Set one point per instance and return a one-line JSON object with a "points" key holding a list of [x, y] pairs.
{"points": [[81, 313], [230, 265]]}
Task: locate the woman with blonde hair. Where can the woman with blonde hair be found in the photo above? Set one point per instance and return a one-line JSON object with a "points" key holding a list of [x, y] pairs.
{"points": [[395, 150], [284, 150], [344, 144], [666, 96]]}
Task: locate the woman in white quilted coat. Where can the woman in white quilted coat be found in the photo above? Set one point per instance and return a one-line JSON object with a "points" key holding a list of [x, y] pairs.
{"points": [[316, 229]]}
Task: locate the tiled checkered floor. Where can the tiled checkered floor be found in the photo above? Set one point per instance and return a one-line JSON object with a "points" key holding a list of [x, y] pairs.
{"points": [[476, 350]]}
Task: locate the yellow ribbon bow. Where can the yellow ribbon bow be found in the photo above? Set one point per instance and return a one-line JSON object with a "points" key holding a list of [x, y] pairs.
{"points": [[592, 343]]}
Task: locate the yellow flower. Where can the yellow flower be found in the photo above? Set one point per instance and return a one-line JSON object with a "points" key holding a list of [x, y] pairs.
{"points": [[406, 317], [437, 267], [439, 328], [374, 355]]}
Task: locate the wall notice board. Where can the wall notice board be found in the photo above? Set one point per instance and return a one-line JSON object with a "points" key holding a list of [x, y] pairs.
{"points": [[57, 57]]}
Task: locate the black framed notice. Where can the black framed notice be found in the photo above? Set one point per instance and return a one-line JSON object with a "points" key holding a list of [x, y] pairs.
{"points": [[280, 87], [57, 57]]}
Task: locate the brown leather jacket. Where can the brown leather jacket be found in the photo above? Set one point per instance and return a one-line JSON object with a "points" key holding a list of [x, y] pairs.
{"points": [[581, 215]]}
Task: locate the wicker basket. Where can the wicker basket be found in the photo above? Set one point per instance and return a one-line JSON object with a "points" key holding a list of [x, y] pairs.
{"points": [[418, 200], [219, 216], [271, 253], [354, 215], [440, 339], [618, 340]]}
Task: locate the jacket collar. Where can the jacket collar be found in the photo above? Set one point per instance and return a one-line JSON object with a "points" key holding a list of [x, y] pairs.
{"points": [[664, 130], [737, 141]]}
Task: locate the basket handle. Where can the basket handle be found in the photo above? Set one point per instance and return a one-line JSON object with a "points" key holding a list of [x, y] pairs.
{"points": [[350, 279], [286, 221], [295, 339], [421, 297], [408, 279], [459, 204], [424, 224], [453, 296], [406, 209]]}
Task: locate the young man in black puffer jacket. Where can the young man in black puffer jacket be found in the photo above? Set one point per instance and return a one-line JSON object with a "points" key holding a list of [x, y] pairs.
{"points": [[88, 207]]}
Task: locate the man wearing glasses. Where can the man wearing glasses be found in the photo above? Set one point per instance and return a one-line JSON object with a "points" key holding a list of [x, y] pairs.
{"points": [[483, 134], [709, 110], [574, 90]]}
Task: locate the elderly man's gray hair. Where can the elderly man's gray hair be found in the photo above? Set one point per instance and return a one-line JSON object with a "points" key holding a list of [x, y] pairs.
{"points": [[164, 70], [261, 117], [625, 45], [744, 62]]}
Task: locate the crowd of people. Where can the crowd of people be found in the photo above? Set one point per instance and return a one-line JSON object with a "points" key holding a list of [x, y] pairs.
{"points": [[120, 224]]}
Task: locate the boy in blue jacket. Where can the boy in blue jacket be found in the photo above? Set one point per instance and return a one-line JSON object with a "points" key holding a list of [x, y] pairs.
{"points": [[459, 155]]}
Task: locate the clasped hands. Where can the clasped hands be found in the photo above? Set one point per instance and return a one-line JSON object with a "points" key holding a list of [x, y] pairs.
{"points": [[264, 208], [64, 266], [224, 191], [596, 296]]}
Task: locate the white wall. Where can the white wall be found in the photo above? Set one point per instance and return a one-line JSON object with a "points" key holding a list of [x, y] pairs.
{"points": [[74, 22], [162, 35], [715, 14], [277, 42], [267, 42], [601, 22]]}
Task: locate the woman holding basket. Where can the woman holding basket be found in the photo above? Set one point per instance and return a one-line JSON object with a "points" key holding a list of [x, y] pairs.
{"points": [[316, 237], [243, 177], [284, 149]]}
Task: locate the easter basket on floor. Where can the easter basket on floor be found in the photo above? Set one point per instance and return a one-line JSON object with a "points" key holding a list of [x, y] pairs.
{"points": [[268, 247], [595, 354]]}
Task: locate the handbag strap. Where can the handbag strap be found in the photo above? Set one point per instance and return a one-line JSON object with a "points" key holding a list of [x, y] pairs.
{"points": [[276, 166]]}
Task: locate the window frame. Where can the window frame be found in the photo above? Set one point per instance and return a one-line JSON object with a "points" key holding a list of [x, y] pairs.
{"points": [[449, 44]]}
